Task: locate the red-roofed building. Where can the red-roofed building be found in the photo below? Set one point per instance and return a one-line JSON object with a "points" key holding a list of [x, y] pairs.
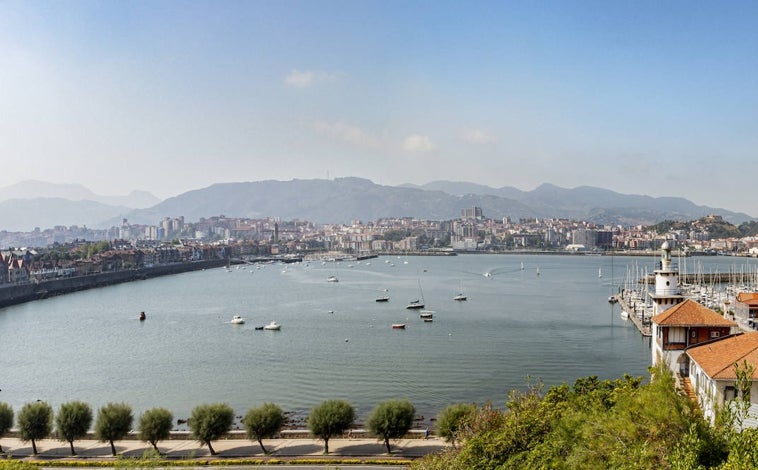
{"points": [[682, 326], [712, 372], [746, 307]]}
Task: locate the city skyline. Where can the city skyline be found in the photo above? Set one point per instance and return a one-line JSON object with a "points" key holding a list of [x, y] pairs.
{"points": [[167, 97]]}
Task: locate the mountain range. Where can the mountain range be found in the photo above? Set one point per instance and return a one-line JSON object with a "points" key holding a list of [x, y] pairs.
{"points": [[341, 200]]}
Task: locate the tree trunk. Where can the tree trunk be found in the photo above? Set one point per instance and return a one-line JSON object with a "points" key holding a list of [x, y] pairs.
{"points": [[113, 448], [71, 443], [210, 447], [155, 446], [260, 443], [1, 450], [34, 447], [326, 445], [387, 445]]}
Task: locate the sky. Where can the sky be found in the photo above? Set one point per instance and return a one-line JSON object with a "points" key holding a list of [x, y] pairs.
{"points": [[640, 97]]}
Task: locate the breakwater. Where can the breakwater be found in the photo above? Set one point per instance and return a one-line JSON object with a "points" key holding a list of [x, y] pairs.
{"points": [[14, 294], [701, 278]]}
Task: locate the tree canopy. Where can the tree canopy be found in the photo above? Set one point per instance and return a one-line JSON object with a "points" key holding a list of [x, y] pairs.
{"points": [[263, 422], [155, 425], [596, 423], [114, 421], [391, 420], [208, 422], [35, 421], [330, 418], [451, 420], [73, 421], [6, 420]]}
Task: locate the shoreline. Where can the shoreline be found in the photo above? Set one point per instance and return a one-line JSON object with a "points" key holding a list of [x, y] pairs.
{"points": [[15, 294]]}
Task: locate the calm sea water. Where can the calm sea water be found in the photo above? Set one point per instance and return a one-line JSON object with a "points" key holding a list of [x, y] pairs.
{"points": [[335, 342]]}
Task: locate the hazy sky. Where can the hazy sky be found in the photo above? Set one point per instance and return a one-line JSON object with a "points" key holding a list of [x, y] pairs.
{"points": [[657, 98]]}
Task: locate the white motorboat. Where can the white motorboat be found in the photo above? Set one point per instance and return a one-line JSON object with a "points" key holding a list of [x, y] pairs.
{"points": [[237, 320], [273, 326], [426, 314], [332, 279]]}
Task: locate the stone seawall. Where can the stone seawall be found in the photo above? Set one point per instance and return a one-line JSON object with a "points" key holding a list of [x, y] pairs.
{"points": [[21, 293]]}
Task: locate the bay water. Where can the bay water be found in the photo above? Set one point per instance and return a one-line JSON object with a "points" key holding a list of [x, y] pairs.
{"points": [[336, 341]]}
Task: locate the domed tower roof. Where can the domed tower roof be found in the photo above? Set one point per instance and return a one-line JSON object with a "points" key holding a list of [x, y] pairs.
{"points": [[666, 245]]}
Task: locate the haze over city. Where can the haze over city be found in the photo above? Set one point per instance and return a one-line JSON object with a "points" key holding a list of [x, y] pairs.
{"points": [[636, 97]]}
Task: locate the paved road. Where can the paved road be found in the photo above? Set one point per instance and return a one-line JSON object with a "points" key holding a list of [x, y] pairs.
{"points": [[230, 448]]}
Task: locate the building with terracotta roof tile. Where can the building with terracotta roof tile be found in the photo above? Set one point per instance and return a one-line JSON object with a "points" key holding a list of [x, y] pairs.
{"points": [[682, 326], [713, 375], [746, 308]]}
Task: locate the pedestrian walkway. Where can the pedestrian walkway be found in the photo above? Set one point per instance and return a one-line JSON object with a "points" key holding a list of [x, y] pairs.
{"points": [[226, 448]]}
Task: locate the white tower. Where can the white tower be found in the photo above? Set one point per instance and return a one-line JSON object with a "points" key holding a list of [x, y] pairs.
{"points": [[666, 282]]}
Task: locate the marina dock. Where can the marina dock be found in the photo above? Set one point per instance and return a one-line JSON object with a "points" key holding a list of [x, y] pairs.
{"points": [[634, 317]]}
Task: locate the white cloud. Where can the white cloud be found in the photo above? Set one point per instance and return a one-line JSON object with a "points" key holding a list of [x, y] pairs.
{"points": [[477, 137], [417, 143], [346, 132], [305, 78]]}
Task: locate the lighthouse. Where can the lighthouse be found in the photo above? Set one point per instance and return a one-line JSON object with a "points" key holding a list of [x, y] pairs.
{"points": [[666, 282]]}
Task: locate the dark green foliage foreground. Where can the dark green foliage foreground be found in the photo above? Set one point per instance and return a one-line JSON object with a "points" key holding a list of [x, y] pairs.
{"points": [[618, 424]]}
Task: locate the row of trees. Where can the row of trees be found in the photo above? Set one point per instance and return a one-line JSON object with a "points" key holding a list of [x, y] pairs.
{"points": [[208, 422]]}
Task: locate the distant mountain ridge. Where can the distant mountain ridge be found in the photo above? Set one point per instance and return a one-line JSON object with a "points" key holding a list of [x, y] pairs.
{"points": [[594, 204], [24, 215], [343, 200], [32, 189]]}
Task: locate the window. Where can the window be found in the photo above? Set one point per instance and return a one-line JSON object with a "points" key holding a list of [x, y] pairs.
{"points": [[730, 393], [693, 334], [715, 334]]}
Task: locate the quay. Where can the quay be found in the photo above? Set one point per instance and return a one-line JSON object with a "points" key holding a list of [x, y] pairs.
{"points": [[636, 319]]}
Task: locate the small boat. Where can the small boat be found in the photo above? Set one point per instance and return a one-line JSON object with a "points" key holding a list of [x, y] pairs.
{"points": [[332, 279], [426, 314], [273, 326], [142, 316], [461, 295], [488, 274], [258, 327], [428, 320], [414, 304], [624, 314], [612, 299], [237, 320], [384, 298], [398, 326]]}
